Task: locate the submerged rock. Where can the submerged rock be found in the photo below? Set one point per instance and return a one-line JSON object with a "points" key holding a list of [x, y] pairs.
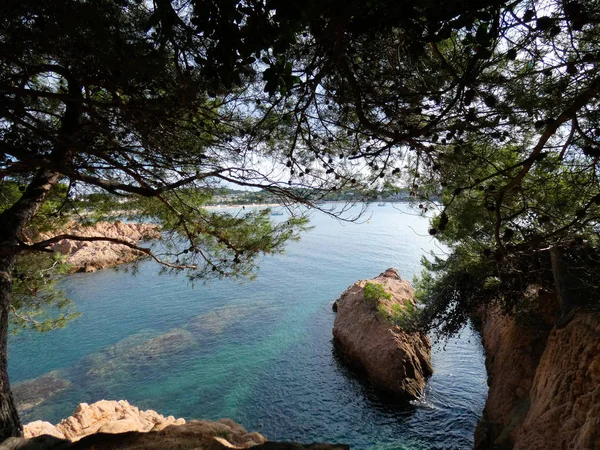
{"points": [[393, 359], [29, 394], [221, 320], [169, 343], [142, 350], [115, 425]]}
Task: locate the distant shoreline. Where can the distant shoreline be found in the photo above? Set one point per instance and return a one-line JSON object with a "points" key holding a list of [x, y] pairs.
{"points": [[251, 205], [255, 205]]}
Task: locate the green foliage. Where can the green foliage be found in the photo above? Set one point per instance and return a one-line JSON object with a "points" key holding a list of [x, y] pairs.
{"points": [[498, 254], [52, 214], [37, 302], [405, 315], [483, 111], [373, 292], [216, 243]]}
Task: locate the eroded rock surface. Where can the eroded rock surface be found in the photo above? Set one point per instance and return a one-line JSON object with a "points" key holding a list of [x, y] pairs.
{"points": [[394, 360], [544, 384], [565, 395], [106, 416], [91, 256]]}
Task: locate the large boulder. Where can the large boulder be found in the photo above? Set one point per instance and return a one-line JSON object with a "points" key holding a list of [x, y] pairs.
{"points": [[393, 359]]}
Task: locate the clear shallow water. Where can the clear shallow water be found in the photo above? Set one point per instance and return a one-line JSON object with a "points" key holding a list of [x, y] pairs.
{"points": [[258, 352]]}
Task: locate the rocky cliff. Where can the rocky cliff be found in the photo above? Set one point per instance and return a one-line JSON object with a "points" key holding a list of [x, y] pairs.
{"points": [[544, 383], [111, 425], [90, 256], [393, 360]]}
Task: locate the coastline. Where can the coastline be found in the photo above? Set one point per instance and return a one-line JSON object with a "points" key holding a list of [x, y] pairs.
{"points": [[250, 345]]}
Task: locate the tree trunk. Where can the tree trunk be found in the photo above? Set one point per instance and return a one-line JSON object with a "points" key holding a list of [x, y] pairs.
{"points": [[10, 425], [12, 223]]}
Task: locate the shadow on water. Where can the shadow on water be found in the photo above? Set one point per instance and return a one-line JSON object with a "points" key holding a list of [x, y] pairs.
{"points": [[383, 401]]}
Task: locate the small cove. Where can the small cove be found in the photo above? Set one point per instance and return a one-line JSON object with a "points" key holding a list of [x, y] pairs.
{"points": [[260, 352]]}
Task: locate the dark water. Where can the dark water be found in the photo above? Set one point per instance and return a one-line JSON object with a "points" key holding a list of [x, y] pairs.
{"points": [[259, 352]]}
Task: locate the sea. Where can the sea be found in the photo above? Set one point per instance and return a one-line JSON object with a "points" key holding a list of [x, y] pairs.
{"points": [[258, 352]]}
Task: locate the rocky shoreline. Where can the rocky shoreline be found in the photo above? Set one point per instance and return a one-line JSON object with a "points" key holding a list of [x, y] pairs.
{"points": [[544, 382], [89, 256], [393, 359], [101, 417], [543, 377], [117, 425]]}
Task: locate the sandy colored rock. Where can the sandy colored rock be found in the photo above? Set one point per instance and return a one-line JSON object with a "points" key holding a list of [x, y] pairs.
{"points": [[512, 355], [121, 426], [39, 428], [90, 256], [28, 394], [394, 360], [565, 395], [544, 384], [110, 416]]}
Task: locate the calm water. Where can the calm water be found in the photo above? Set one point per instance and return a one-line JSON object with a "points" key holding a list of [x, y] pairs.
{"points": [[259, 352]]}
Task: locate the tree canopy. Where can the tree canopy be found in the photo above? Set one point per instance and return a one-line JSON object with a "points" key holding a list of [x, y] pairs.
{"points": [[493, 108], [490, 106]]}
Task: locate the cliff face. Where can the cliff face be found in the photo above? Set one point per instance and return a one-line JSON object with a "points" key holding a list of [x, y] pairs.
{"points": [[544, 384], [111, 425], [394, 360], [91, 256]]}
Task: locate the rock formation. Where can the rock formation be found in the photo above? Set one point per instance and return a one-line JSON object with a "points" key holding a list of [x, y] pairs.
{"points": [[91, 256], [393, 360], [102, 417], [111, 425], [544, 383]]}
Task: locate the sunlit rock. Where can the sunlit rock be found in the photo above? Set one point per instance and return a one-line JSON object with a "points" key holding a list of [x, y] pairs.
{"points": [[120, 426], [393, 359], [89, 256]]}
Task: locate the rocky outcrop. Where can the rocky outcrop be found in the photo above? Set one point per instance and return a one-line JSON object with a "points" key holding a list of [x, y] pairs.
{"points": [[393, 359], [544, 383], [102, 417], [90, 256], [111, 425]]}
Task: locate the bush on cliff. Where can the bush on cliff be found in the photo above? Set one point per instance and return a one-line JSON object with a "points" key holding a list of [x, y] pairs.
{"points": [[404, 316], [373, 292]]}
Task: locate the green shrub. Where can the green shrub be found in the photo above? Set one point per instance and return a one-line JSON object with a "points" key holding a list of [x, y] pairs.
{"points": [[374, 291], [404, 315]]}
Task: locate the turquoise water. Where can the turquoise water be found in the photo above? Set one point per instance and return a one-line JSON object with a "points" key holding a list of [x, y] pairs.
{"points": [[259, 352]]}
